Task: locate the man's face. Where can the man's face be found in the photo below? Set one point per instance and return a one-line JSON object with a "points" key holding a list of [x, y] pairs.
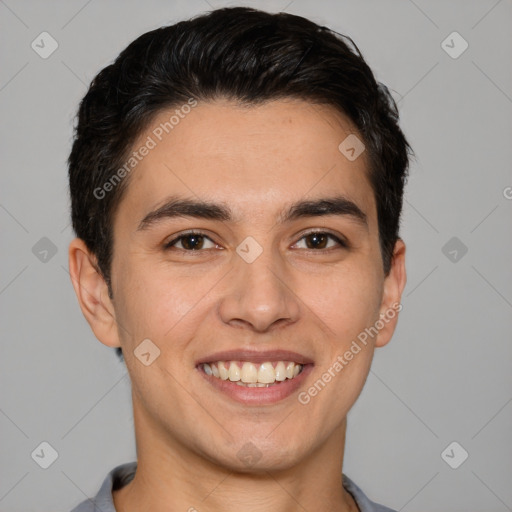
{"points": [[248, 285]]}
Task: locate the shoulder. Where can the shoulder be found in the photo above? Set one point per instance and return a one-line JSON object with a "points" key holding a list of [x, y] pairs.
{"points": [[363, 502], [117, 478]]}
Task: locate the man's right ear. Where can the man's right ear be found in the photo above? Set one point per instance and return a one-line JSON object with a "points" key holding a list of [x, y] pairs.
{"points": [[92, 293]]}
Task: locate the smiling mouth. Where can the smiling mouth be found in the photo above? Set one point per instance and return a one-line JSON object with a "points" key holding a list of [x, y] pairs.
{"points": [[247, 374]]}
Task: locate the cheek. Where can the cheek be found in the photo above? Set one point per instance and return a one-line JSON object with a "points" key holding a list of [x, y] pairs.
{"points": [[157, 304], [346, 302]]}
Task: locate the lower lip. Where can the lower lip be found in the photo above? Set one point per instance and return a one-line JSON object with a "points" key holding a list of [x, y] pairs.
{"points": [[258, 396]]}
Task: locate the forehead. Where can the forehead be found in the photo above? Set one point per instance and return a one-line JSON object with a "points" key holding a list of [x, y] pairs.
{"points": [[254, 158]]}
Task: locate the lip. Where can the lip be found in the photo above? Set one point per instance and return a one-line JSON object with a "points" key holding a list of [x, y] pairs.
{"points": [[255, 356], [257, 396]]}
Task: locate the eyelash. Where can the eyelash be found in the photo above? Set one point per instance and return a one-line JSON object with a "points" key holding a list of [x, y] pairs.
{"points": [[343, 244]]}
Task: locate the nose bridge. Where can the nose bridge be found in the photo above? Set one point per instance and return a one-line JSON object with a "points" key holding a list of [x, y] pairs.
{"points": [[258, 293]]}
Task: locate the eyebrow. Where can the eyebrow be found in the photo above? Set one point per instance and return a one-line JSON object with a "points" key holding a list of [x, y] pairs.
{"points": [[182, 207]]}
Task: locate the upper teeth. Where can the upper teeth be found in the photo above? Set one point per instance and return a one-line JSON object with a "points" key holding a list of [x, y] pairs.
{"points": [[251, 373]]}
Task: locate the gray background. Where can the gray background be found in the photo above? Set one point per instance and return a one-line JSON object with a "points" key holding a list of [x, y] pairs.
{"points": [[446, 374]]}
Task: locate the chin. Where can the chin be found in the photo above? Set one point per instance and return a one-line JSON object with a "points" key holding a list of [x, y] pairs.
{"points": [[263, 455]]}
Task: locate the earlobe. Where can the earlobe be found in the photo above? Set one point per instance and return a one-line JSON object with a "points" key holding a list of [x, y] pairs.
{"points": [[92, 293], [394, 284]]}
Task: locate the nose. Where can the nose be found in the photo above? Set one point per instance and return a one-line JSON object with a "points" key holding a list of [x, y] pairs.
{"points": [[259, 296]]}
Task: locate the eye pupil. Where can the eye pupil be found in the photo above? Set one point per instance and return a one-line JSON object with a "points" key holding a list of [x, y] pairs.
{"points": [[196, 241], [319, 241]]}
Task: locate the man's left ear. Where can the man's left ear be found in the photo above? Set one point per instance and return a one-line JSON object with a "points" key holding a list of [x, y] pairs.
{"points": [[394, 284]]}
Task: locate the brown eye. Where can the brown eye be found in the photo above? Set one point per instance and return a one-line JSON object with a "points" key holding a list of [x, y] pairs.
{"points": [[316, 241], [190, 242], [321, 240]]}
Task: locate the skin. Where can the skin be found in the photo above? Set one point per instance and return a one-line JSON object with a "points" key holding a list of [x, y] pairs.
{"points": [[313, 301]]}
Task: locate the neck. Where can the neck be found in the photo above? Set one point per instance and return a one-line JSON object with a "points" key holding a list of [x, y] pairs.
{"points": [[171, 476]]}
